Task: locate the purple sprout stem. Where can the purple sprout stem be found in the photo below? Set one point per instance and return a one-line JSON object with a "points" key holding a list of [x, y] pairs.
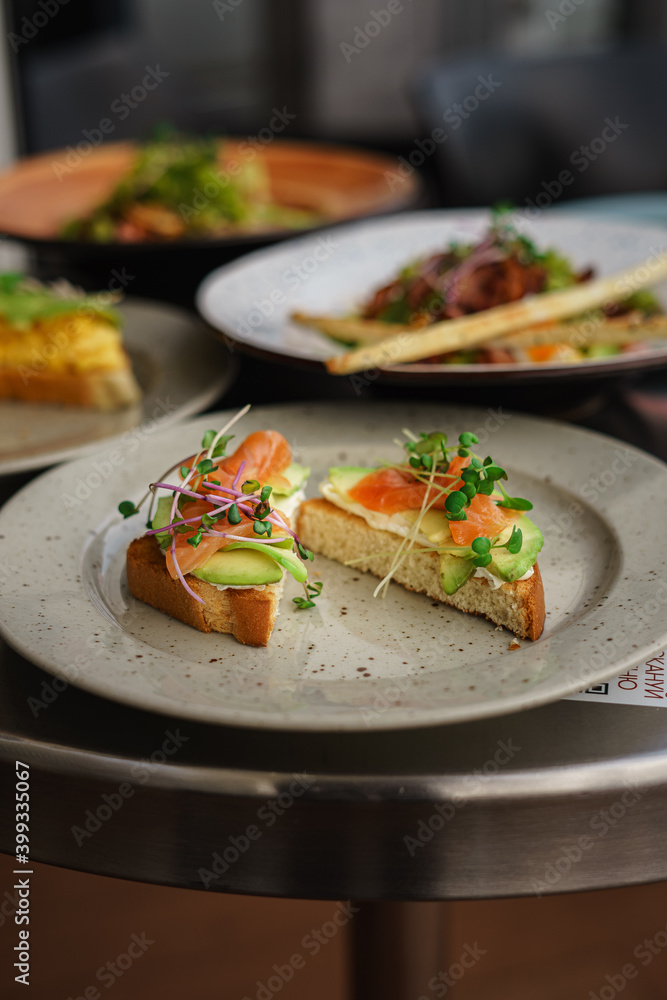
{"points": [[172, 515], [237, 494], [212, 532], [168, 527], [210, 497], [244, 538], [223, 503], [238, 474], [180, 489], [232, 491], [200, 600], [278, 521], [274, 518]]}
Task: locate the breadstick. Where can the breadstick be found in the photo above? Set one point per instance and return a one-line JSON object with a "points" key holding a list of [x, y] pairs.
{"points": [[479, 328], [606, 331], [351, 331]]}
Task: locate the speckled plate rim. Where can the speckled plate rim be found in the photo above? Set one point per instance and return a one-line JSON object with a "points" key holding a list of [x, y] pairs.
{"points": [[218, 381], [636, 587], [419, 371]]}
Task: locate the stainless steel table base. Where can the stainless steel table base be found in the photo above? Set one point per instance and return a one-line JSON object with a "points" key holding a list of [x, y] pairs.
{"points": [[408, 815], [397, 949]]}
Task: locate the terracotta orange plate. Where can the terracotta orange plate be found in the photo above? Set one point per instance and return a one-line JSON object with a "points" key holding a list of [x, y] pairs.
{"points": [[41, 193]]}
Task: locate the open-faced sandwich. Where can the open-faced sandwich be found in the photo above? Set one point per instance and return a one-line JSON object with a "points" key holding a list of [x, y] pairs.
{"points": [[217, 549], [439, 522], [499, 300], [184, 187], [58, 345]]}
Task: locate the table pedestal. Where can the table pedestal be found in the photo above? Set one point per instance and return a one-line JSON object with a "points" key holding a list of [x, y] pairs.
{"points": [[396, 949]]}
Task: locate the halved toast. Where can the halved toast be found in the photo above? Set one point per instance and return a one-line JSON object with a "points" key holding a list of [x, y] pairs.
{"points": [[337, 534], [59, 345], [248, 614], [101, 389]]}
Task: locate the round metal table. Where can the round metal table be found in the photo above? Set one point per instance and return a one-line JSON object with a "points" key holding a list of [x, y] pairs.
{"points": [[570, 796], [567, 797]]}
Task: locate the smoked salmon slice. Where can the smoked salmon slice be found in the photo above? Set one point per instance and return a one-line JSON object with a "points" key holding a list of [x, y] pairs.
{"points": [[391, 490], [266, 454], [190, 558], [484, 518]]}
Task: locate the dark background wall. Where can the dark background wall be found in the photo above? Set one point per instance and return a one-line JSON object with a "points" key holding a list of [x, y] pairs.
{"points": [[230, 61], [224, 65]]}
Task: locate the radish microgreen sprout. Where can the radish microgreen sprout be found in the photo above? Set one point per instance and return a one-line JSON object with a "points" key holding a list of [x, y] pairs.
{"points": [[233, 503], [313, 590], [429, 459]]}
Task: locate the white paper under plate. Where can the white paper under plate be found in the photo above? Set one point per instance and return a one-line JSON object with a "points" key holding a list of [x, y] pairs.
{"points": [[353, 662], [644, 684]]}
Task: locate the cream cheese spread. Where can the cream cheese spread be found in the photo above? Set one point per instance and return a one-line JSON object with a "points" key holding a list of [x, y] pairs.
{"points": [[383, 522], [495, 582]]}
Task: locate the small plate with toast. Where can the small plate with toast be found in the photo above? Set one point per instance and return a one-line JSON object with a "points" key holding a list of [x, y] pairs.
{"points": [[125, 627], [71, 379]]}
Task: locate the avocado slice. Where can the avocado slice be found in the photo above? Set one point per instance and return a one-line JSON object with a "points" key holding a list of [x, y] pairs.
{"points": [[285, 558], [288, 560], [161, 518], [296, 475], [243, 567], [504, 565], [508, 567], [454, 572], [435, 526], [345, 477]]}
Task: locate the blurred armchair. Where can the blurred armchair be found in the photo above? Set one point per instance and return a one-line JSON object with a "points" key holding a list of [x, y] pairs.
{"points": [[513, 128]]}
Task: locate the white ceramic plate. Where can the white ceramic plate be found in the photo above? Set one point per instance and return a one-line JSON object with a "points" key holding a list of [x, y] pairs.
{"points": [[250, 301], [354, 661], [180, 369]]}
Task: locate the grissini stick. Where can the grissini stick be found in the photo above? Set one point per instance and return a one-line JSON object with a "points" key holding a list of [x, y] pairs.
{"points": [[350, 330], [614, 331], [605, 330], [478, 328]]}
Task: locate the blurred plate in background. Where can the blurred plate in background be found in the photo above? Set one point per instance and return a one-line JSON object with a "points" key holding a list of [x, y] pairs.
{"points": [[40, 194], [180, 369], [37, 198], [332, 273]]}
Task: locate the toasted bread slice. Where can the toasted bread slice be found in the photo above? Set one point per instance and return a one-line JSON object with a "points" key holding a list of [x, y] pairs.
{"points": [[58, 345], [103, 389], [339, 535], [249, 615]]}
